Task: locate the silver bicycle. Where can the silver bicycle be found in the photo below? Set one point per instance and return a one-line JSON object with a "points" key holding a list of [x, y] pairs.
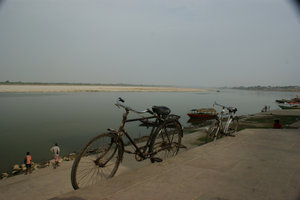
{"points": [[226, 124]]}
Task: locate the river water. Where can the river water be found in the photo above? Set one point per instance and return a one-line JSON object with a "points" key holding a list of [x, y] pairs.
{"points": [[35, 121]]}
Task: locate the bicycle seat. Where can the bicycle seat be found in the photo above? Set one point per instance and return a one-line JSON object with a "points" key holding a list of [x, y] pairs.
{"points": [[161, 110], [231, 109]]}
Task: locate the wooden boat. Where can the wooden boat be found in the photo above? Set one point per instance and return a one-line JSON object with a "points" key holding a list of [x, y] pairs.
{"points": [[204, 113], [281, 100], [289, 106], [147, 123], [291, 101]]}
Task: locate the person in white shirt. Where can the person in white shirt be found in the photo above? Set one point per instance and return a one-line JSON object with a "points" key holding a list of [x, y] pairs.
{"points": [[55, 150]]}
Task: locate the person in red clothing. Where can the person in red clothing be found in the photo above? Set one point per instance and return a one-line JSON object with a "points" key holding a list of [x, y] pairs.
{"points": [[277, 124], [28, 163]]}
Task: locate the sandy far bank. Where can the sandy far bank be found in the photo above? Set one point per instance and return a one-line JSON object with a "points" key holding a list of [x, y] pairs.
{"points": [[93, 88]]}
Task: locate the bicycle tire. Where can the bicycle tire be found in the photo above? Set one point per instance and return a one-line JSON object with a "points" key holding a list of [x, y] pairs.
{"points": [[233, 126], [166, 141], [98, 160], [213, 133]]}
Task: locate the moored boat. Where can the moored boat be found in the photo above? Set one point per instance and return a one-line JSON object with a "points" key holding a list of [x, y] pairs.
{"points": [[204, 113], [281, 101], [294, 100], [289, 106]]}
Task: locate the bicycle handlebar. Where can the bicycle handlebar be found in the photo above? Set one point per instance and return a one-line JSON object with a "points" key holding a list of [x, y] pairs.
{"points": [[120, 103], [230, 109]]}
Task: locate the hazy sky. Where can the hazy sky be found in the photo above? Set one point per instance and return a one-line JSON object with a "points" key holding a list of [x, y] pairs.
{"points": [[162, 42]]}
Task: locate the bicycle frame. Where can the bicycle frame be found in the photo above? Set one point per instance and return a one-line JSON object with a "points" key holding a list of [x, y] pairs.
{"points": [[224, 129], [121, 131]]}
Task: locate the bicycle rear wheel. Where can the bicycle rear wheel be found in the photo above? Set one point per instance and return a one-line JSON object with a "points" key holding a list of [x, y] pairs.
{"points": [[166, 141], [98, 160], [233, 126]]}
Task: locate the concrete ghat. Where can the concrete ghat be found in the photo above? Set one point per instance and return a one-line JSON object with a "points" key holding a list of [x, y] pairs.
{"points": [[257, 164]]}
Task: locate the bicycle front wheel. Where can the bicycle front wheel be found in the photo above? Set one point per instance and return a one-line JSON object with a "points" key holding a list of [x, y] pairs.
{"points": [[166, 141], [213, 133], [97, 161], [233, 126]]}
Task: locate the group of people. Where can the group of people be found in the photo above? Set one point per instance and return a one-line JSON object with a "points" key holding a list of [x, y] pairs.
{"points": [[265, 108], [28, 160]]}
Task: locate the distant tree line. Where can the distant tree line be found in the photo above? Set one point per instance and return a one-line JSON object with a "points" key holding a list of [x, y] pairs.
{"points": [[270, 88]]}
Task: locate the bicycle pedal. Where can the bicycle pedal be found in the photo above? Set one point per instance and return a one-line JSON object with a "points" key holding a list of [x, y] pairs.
{"points": [[155, 159]]}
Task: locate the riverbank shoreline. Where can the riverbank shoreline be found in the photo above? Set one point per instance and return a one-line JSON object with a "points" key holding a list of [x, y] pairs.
{"points": [[48, 183], [93, 88], [193, 136]]}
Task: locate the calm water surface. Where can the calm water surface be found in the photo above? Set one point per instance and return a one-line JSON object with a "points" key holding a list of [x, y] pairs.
{"points": [[34, 121]]}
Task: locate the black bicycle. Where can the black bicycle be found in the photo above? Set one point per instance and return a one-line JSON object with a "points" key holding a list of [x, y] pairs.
{"points": [[101, 157]]}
